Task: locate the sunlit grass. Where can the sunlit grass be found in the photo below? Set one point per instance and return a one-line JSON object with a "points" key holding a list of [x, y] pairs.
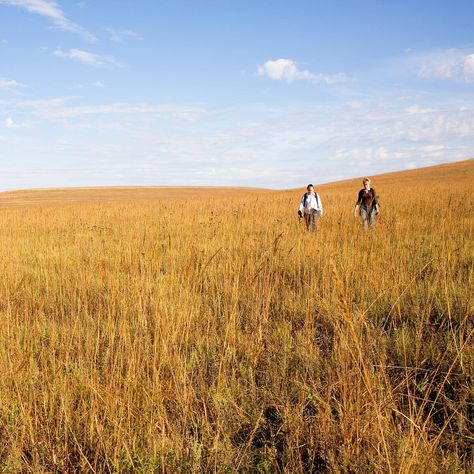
{"points": [[207, 331]]}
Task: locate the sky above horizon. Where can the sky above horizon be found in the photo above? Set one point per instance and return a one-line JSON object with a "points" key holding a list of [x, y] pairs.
{"points": [[250, 93]]}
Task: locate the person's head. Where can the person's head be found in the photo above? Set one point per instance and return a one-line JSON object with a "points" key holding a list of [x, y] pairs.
{"points": [[310, 188], [366, 183]]}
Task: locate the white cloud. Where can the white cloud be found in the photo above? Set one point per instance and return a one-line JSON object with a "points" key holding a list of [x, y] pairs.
{"points": [[52, 11], [42, 103], [287, 70], [9, 84], [354, 104], [413, 124], [378, 159], [10, 123], [57, 110], [118, 36], [123, 109], [432, 119], [468, 68], [88, 58], [2, 138], [273, 146], [368, 154], [447, 64], [415, 110], [98, 84]]}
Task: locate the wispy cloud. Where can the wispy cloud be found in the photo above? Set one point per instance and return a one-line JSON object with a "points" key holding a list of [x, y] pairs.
{"points": [[52, 11], [178, 143], [9, 84], [378, 158], [416, 109], [446, 64], [353, 104], [42, 103], [58, 110], [127, 109], [287, 70], [119, 36], [88, 58], [10, 123]]}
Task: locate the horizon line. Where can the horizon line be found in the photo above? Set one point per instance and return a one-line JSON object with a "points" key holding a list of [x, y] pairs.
{"points": [[197, 186]]}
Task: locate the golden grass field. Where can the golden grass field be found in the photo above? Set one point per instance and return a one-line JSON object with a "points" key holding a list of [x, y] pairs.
{"points": [[203, 330]]}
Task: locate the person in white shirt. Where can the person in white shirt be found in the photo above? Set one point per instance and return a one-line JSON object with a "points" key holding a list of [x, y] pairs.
{"points": [[311, 207]]}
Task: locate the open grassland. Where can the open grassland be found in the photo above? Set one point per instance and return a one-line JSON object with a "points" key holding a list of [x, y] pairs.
{"points": [[155, 330]]}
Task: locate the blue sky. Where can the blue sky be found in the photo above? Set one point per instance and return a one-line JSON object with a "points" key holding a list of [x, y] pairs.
{"points": [[251, 93]]}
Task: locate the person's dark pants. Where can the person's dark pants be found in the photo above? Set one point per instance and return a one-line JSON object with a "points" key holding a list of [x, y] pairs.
{"points": [[311, 220]]}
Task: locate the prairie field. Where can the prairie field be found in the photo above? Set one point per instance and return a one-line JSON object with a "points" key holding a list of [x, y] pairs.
{"points": [[204, 330]]}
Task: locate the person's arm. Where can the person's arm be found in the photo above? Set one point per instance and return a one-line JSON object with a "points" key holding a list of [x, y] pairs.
{"points": [[300, 210], [320, 205], [376, 202], [357, 204]]}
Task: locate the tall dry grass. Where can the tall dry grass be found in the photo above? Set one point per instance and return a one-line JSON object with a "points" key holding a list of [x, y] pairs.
{"points": [[213, 334]]}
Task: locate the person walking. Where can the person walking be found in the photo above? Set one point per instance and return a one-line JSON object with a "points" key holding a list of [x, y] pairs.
{"points": [[367, 204], [311, 208]]}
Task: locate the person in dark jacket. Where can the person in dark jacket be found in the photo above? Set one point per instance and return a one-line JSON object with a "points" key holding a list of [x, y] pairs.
{"points": [[367, 204]]}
